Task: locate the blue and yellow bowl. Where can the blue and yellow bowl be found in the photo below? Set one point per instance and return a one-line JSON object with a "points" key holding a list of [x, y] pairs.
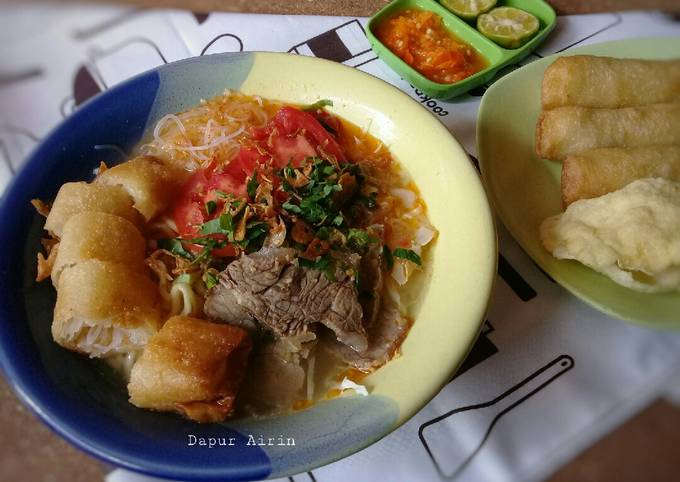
{"points": [[69, 392]]}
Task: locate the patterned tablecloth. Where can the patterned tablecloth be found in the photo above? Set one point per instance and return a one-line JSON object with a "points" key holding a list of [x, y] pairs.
{"points": [[548, 376]]}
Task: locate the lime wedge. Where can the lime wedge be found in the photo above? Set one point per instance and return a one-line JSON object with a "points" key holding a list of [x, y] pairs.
{"points": [[468, 9], [507, 26]]}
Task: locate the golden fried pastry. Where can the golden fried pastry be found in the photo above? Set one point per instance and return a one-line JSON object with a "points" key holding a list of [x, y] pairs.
{"points": [[105, 308], [193, 367], [150, 183], [598, 171], [102, 236], [77, 197], [566, 131], [589, 81]]}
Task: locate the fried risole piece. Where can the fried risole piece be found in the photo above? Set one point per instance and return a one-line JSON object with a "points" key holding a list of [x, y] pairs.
{"points": [[566, 131], [589, 81], [596, 172]]}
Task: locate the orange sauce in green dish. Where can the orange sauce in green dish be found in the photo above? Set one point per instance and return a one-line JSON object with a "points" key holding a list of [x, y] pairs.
{"points": [[420, 39]]}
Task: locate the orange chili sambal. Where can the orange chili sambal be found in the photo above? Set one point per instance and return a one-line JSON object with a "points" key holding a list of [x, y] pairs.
{"points": [[420, 39]]}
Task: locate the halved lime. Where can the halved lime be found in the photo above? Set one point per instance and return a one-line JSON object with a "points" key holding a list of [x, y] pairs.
{"points": [[509, 27], [468, 9]]}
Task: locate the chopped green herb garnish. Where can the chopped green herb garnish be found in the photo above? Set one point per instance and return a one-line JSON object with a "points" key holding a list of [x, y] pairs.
{"points": [[311, 263], [252, 186], [210, 207], [222, 225], [323, 233], [176, 247], [389, 260], [255, 235], [323, 263], [208, 245], [315, 203], [408, 254], [291, 208], [319, 104], [211, 227], [207, 241], [203, 255], [286, 186], [256, 224], [288, 171], [358, 239], [210, 279], [338, 220], [223, 194]]}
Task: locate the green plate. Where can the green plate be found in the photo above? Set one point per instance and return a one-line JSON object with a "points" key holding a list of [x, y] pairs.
{"points": [[526, 189], [496, 56]]}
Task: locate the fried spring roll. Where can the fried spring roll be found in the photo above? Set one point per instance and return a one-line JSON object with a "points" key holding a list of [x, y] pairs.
{"points": [[193, 367], [588, 81], [105, 308], [566, 131], [77, 197], [150, 183], [102, 236], [600, 171]]}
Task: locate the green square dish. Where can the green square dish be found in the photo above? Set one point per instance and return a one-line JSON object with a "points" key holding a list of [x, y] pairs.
{"points": [[496, 56]]}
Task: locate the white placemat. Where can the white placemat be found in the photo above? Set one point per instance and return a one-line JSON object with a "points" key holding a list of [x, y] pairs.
{"points": [[549, 375]]}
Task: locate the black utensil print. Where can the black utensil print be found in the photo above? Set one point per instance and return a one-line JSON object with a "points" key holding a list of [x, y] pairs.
{"points": [[346, 43], [481, 350], [89, 79], [226, 42], [476, 422]]}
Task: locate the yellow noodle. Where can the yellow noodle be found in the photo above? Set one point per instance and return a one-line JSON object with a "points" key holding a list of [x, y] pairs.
{"points": [[184, 301], [210, 131]]}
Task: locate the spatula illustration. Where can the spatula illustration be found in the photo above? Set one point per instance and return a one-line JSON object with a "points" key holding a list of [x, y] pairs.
{"points": [[453, 439]]}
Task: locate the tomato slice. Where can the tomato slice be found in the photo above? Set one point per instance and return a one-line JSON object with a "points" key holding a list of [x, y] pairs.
{"points": [[261, 133], [289, 121], [291, 136], [204, 185], [245, 163], [188, 215], [225, 182], [227, 252], [188, 212], [292, 149]]}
